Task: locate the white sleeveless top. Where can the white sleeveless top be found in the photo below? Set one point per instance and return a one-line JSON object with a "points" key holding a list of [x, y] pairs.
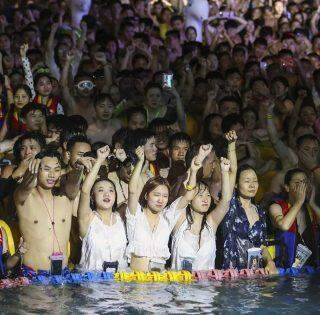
{"points": [[185, 246], [145, 243], [103, 243]]}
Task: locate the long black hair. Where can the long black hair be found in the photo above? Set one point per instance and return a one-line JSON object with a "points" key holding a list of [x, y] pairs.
{"points": [[92, 201], [201, 187]]}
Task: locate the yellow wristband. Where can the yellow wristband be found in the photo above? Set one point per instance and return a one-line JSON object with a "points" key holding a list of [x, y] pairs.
{"points": [[189, 187]]}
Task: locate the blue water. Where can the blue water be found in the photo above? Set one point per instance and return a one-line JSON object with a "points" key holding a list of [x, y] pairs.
{"points": [[300, 295]]}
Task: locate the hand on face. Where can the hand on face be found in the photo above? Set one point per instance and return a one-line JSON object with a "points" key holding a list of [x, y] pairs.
{"points": [[300, 192]]}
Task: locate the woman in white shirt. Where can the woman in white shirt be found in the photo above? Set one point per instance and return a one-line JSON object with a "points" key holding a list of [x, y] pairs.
{"points": [[101, 228], [149, 220], [194, 236]]}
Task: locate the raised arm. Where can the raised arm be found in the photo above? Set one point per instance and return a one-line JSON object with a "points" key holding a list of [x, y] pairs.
{"points": [[180, 110], [135, 183], [232, 137], [191, 183], [49, 53], [29, 182], [286, 155], [314, 22], [243, 24], [84, 210], [27, 68], [107, 69], [284, 222], [216, 216], [69, 100], [7, 85], [313, 204]]}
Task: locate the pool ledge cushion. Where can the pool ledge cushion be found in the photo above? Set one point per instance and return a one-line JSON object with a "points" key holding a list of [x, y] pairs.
{"points": [[148, 277]]}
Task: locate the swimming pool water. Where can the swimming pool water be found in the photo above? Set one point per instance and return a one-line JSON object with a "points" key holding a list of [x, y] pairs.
{"points": [[300, 295]]}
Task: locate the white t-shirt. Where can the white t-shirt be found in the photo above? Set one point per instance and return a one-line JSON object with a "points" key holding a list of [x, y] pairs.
{"points": [[185, 246], [145, 243], [103, 243]]}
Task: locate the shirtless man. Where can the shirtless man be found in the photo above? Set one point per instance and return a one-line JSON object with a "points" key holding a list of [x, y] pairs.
{"points": [[44, 215], [78, 97], [104, 126]]}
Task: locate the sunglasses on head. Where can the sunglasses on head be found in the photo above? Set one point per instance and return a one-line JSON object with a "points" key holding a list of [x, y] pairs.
{"points": [[86, 84]]}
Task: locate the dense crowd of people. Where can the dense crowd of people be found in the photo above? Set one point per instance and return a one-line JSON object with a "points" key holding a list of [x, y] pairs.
{"points": [[128, 142]]}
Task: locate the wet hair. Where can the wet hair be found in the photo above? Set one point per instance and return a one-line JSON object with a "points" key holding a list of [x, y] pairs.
{"points": [[179, 137], [260, 41], [231, 120], [143, 36], [173, 33], [303, 138], [151, 185], [289, 175], [152, 85], [207, 123], [177, 17], [189, 209], [25, 88], [120, 136], [32, 107], [97, 145], [92, 202], [232, 71], [77, 139], [69, 133], [158, 122], [257, 79], [250, 110], [136, 110], [249, 65], [52, 154], [190, 28], [38, 76], [281, 79], [57, 120], [239, 48], [36, 136], [243, 168], [78, 122], [137, 57], [137, 138], [101, 98], [230, 99]]}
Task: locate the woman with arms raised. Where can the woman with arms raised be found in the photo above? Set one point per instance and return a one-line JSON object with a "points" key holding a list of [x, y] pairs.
{"points": [[101, 228], [194, 236], [149, 220]]}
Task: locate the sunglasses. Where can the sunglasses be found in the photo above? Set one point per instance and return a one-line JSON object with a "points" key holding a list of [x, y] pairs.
{"points": [[86, 84]]}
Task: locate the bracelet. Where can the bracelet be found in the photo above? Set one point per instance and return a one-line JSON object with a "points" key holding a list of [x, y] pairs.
{"points": [[269, 116], [189, 187]]}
